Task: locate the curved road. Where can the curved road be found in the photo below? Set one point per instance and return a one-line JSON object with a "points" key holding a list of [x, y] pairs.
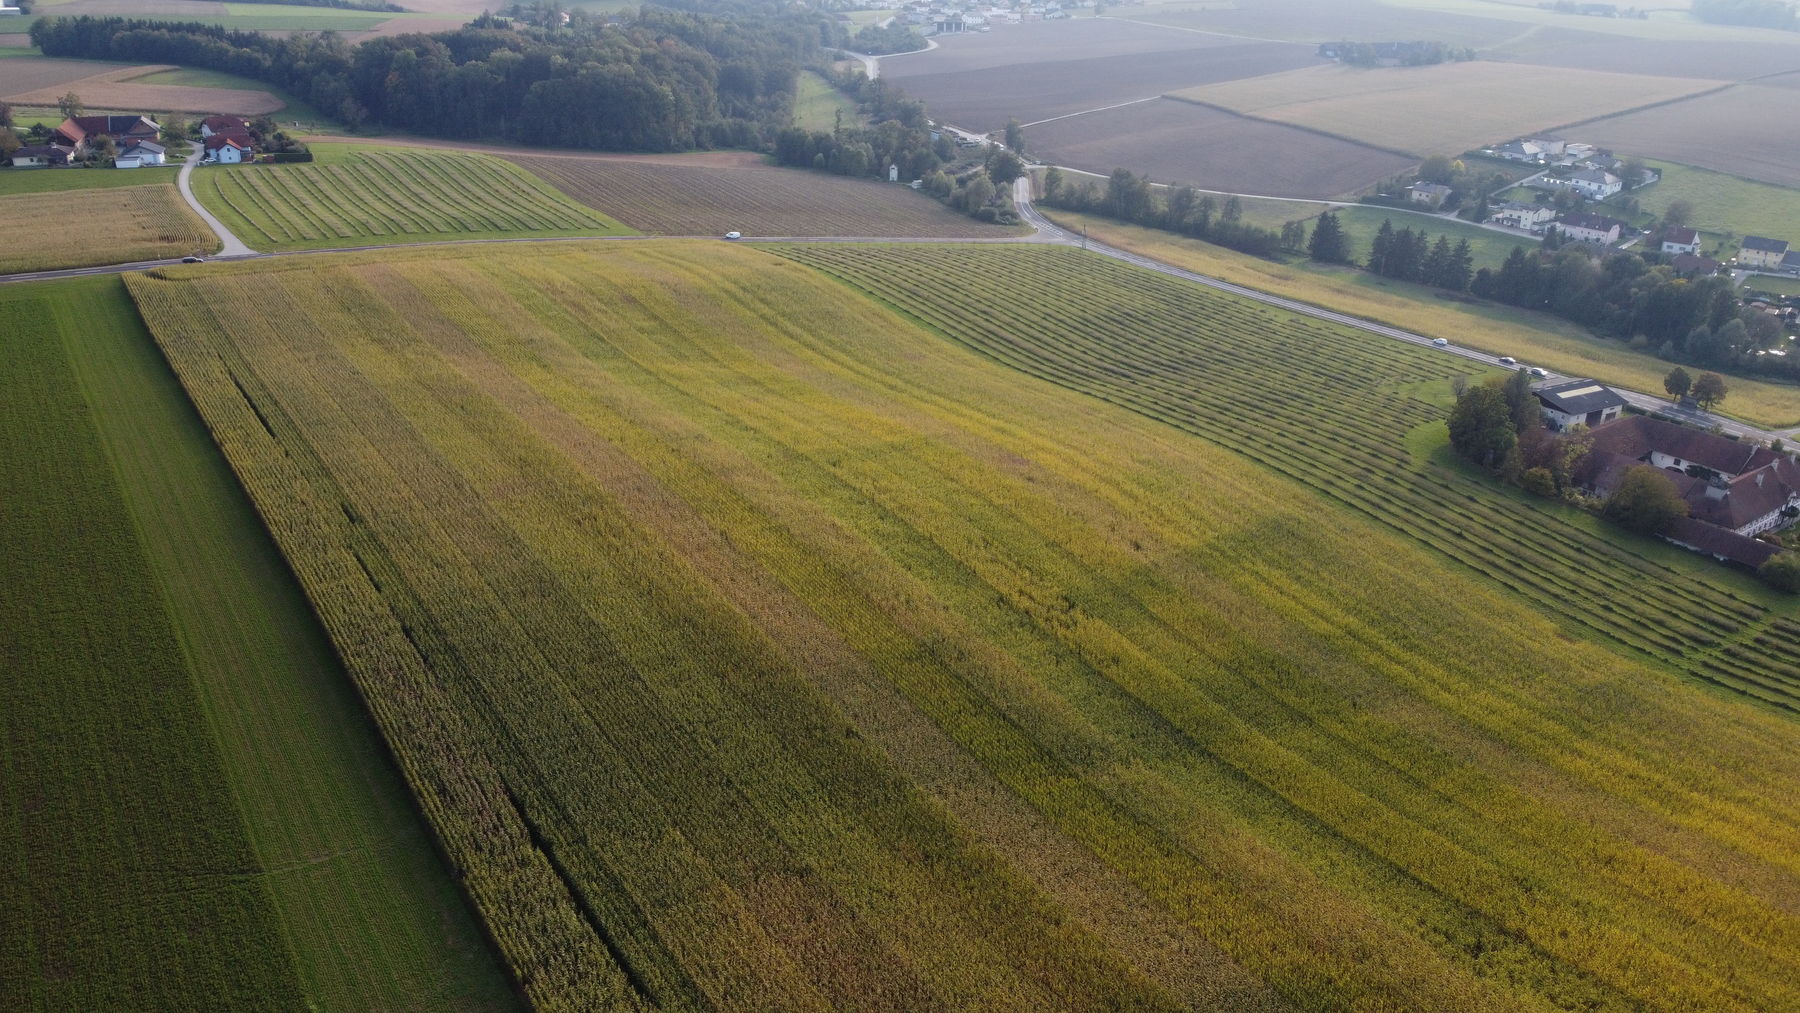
{"points": [[229, 244], [1045, 231]]}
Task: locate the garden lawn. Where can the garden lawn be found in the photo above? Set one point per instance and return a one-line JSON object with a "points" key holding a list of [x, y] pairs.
{"points": [[1533, 338], [944, 627], [199, 813]]}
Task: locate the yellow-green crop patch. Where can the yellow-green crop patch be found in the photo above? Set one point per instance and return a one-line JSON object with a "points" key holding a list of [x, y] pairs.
{"points": [[197, 813], [993, 627], [364, 194]]}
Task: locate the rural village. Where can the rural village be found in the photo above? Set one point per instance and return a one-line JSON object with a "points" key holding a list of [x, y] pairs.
{"points": [[1250, 505]]}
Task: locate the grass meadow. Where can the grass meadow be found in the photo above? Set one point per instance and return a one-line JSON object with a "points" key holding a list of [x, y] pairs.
{"points": [[1725, 205], [357, 194], [199, 813], [18, 181], [892, 627], [818, 106], [80, 228], [1534, 338]]}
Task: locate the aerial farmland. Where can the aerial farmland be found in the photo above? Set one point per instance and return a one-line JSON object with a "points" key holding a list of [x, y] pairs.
{"points": [[1163, 506]]}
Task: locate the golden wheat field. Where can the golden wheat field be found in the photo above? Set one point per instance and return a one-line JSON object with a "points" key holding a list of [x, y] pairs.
{"points": [[80, 228], [754, 645]]}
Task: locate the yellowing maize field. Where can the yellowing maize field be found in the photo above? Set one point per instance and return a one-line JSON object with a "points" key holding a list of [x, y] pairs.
{"points": [[948, 628]]}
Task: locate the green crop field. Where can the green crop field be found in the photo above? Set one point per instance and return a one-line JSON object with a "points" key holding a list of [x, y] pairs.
{"points": [[197, 813], [17, 181], [995, 627], [360, 194]]}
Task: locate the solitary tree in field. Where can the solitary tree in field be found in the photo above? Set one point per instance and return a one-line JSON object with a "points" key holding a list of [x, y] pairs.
{"points": [[1645, 502], [1015, 137], [1709, 390], [70, 106], [1678, 383], [1328, 245], [1678, 213]]}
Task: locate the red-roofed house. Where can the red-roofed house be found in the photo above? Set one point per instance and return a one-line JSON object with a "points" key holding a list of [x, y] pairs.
{"points": [[224, 125], [1739, 487], [78, 132], [228, 149]]}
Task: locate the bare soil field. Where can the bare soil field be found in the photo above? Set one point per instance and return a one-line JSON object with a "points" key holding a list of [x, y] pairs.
{"points": [[1044, 70], [1179, 142], [116, 88], [1723, 61], [664, 198], [1744, 131], [1313, 21], [137, 8], [22, 74], [1450, 107]]}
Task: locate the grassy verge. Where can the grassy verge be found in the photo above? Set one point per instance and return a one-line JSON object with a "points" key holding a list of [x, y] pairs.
{"points": [[1531, 337], [359, 907]]}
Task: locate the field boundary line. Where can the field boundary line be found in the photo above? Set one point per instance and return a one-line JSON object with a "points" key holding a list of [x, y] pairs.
{"points": [[1173, 97], [1646, 107], [1084, 112]]}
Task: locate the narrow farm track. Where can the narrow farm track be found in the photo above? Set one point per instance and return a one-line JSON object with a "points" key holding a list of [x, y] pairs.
{"points": [[1135, 341]]}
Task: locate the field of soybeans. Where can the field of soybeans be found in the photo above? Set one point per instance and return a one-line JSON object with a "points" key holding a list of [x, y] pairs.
{"points": [[850, 628], [358, 194]]}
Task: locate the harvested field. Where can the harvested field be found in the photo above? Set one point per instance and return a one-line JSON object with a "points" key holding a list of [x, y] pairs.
{"points": [[355, 195], [1180, 142], [1447, 108], [24, 75], [117, 88], [1051, 73], [142, 223], [953, 645], [1722, 61], [1313, 21], [1745, 131], [673, 199]]}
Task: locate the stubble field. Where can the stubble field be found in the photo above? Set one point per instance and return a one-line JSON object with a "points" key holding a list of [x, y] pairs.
{"points": [[1443, 109], [1180, 142], [670, 198], [114, 225], [752, 644], [1041, 70], [1739, 131]]}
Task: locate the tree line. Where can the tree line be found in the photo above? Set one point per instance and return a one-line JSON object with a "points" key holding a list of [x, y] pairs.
{"points": [[1755, 13], [1129, 197], [662, 80]]}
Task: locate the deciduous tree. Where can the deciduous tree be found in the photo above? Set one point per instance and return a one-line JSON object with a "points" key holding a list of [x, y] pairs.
{"points": [[1709, 390], [1481, 426], [1645, 502], [1678, 383]]}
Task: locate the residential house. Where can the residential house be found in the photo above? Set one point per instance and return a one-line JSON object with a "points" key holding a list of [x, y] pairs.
{"points": [[78, 132], [140, 153], [1692, 265], [1724, 546], [1568, 403], [1521, 151], [1680, 241], [1431, 195], [1584, 227], [228, 149], [1594, 184], [42, 156], [224, 125], [1739, 487], [1759, 252], [1522, 215]]}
